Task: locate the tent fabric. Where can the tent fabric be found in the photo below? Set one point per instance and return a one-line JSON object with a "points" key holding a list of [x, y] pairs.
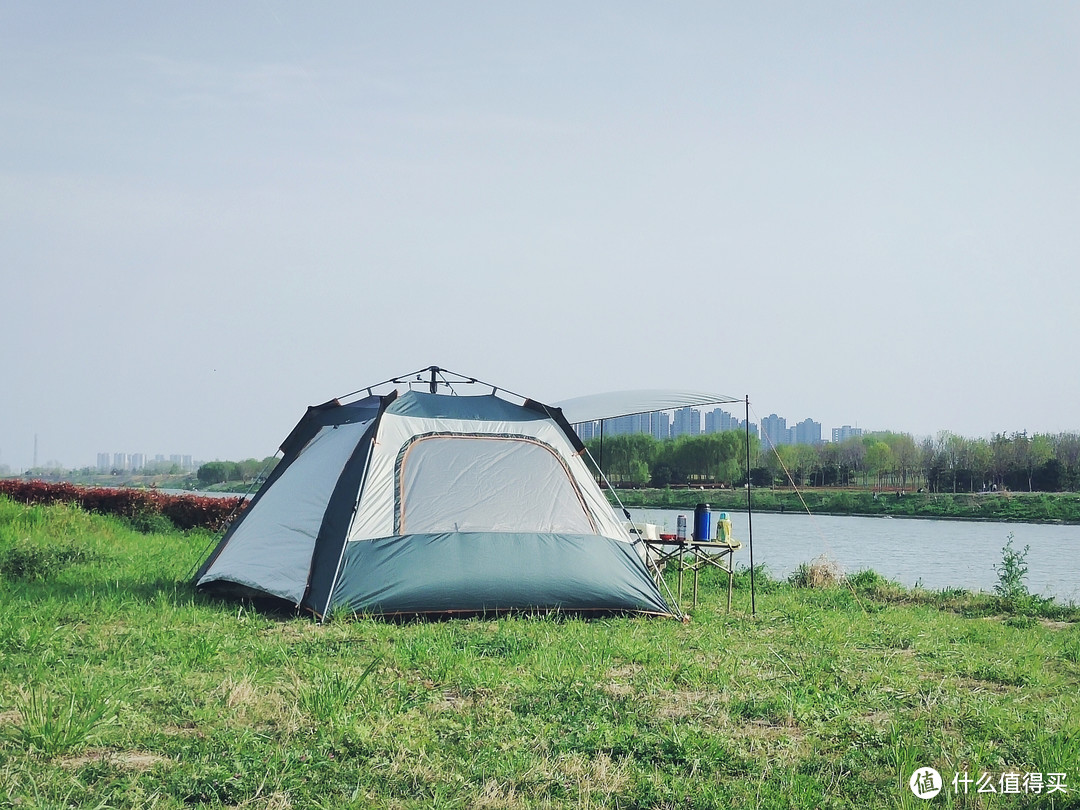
{"points": [[486, 572], [427, 503], [609, 405], [499, 483], [375, 516], [271, 550]]}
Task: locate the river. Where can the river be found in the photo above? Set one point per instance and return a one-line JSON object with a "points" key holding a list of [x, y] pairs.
{"points": [[935, 553]]}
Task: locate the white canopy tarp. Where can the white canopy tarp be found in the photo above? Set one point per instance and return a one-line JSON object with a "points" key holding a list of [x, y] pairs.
{"points": [[627, 403]]}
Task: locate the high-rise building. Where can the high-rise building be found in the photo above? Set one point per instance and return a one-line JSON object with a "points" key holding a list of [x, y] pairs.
{"points": [[844, 433], [120, 461], [686, 422], [808, 432], [586, 430], [618, 426], [774, 429], [720, 421], [660, 425], [103, 462], [626, 425]]}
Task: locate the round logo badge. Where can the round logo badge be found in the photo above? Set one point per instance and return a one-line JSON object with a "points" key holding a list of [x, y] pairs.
{"points": [[925, 783]]}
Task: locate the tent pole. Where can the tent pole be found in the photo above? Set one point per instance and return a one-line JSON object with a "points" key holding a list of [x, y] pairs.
{"points": [[600, 460], [749, 511]]}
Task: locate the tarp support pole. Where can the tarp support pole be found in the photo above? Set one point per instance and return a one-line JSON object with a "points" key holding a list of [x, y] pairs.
{"points": [[600, 460], [749, 511]]}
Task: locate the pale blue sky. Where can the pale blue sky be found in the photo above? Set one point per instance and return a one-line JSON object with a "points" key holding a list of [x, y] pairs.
{"points": [[213, 215]]}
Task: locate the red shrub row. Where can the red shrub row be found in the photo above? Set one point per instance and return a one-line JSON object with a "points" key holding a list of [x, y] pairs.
{"points": [[185, 511]]}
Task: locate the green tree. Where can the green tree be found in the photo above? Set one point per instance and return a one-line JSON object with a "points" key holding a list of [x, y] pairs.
{"points": [[852, 457], [879, 460], [626, 457], [1040, 451], [979, 458], [906, 458], [213, 472], [1067, 451]]}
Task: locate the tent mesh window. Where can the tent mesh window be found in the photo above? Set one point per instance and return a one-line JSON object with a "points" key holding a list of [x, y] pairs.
{"points": [[496, 484]]}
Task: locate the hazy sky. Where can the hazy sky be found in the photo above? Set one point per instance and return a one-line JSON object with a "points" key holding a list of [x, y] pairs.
{"points": [[215, 214]]}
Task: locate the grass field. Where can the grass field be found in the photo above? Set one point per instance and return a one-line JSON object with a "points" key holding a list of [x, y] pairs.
{"points": [[121, 687]]}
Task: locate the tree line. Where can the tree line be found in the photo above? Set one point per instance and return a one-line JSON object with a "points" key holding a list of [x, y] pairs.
{"points": [[219, 472], [945, 463]]}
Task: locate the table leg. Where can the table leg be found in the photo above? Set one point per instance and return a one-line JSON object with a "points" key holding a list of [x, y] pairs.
{"points": [[730, 577], [680, 576]]}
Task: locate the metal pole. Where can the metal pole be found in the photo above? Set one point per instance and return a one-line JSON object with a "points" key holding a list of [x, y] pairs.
{"points": [[433, 385], [749, 511], [600, 455]]}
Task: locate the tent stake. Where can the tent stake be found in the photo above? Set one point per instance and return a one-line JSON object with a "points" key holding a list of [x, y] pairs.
{"points": [[749, 511]]}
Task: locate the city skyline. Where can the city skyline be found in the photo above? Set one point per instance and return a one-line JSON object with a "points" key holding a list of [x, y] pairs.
{"points": [[708, 421], [690, 421], [131, 462]]}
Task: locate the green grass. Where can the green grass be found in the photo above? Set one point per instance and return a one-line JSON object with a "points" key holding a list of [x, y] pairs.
{"points": [[121, 687]]}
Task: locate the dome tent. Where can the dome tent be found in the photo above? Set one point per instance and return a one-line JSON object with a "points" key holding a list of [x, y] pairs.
{"points": [[421, 502]]}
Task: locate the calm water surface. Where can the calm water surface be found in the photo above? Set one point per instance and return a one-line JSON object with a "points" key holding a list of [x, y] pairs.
{"points": [[937, 553]]}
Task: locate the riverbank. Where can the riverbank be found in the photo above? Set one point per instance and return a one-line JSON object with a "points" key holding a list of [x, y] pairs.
{"points": [[1035, 507], [122, 687]]}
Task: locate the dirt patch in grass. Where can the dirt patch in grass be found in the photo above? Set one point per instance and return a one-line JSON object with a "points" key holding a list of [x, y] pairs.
{"points": [[186, 729], [453, 701], [598, 774], [9, 717], [278, 801], [618, 680], [496, 796], [252, 704], [696, 704], [293, 630], [978, 685], [878, 719], [240, 693], [1051, 625], [767, 729], [129, 760]]}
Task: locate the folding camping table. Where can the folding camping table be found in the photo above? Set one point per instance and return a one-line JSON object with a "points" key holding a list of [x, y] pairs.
{"points": [[693, 555]]}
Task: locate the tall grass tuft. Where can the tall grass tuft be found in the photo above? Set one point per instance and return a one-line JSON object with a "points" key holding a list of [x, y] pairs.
{"points": [[31, 562], [331, 695], [823, 572]]}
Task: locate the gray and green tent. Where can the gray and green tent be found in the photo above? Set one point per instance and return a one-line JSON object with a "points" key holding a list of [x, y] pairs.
{"points": [[428, 503]]}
